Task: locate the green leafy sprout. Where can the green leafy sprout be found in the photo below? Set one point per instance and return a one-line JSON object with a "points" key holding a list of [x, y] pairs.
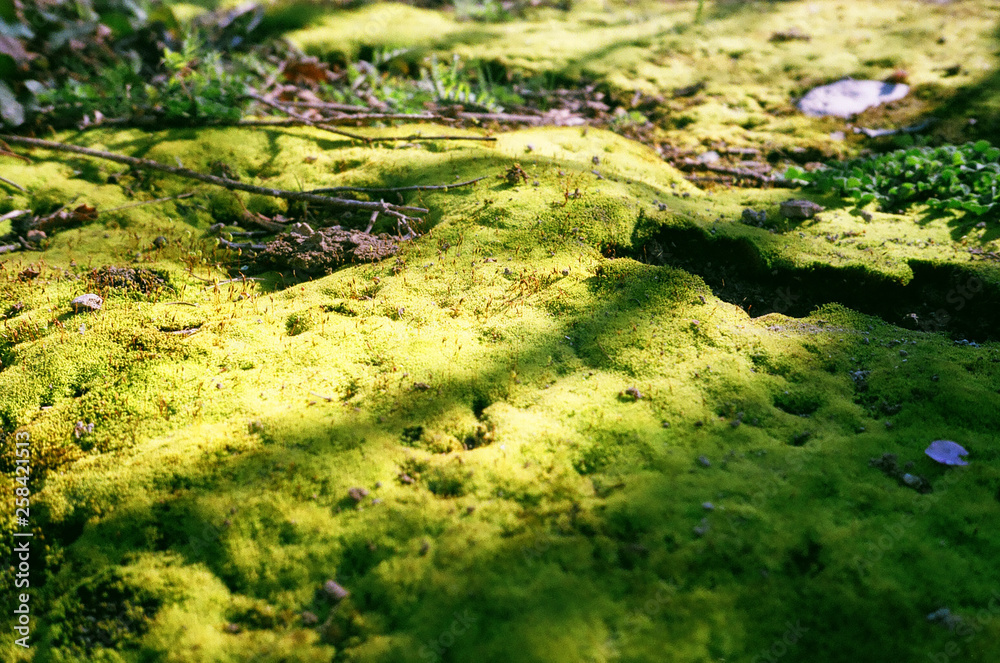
{"points": [[962, 178]]}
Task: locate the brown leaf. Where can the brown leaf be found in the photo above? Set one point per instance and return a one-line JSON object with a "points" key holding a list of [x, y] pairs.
{"points": [[64, 218], [305, 71], [83, 213]]}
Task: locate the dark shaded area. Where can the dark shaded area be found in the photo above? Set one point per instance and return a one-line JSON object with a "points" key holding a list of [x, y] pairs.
{"points": [[940, 296], [103, 611]]}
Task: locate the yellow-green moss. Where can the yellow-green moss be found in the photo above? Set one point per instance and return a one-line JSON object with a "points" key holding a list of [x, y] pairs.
{"points": [[526, 413]]}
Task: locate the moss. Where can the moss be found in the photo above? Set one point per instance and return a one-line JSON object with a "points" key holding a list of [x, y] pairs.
{"points": [[473, 389]]}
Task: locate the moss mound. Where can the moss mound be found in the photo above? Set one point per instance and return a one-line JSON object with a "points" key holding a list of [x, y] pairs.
{"points": [[591, 414]]}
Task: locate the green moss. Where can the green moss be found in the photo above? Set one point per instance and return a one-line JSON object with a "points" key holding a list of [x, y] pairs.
{"points": [[521, 498]]}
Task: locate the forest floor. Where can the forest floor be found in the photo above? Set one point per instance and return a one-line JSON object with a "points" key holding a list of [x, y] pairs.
{"points": [[592, 413]]}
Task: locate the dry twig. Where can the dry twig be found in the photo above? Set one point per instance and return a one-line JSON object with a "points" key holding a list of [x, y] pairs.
{"points": [[298, 120], [305, 120], [397, 211], [417, 187], [13, 184]]}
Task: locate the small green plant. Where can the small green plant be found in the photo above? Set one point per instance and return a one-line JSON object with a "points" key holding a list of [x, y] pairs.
{"points": [[453, 84], [199, 86], [195, 86], [628, 123], [961, 178]]}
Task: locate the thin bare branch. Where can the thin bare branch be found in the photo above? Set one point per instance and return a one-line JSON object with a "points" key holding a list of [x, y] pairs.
{"points": [[502, 117], [14, 214], [241, 246], [417, 137], [346, 119], [397, 211], [305, 120], [294, 121], [417, 187], [328, 105], [5, 152], [13, 184]]}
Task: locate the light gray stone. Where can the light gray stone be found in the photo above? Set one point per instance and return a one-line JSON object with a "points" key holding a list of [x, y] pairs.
{"points": [[88, 302], [850, 97]]}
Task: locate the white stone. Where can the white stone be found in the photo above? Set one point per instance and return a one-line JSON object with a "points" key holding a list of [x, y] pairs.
{"points": [[850, 97], [88, 302], [947, 452]]}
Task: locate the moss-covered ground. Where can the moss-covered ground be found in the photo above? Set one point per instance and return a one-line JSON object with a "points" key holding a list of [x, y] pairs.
{"points": [[556, 427]]}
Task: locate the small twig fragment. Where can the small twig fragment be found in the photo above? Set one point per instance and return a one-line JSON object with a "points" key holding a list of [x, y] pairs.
{"points": [[241, 246], [13, 184]]}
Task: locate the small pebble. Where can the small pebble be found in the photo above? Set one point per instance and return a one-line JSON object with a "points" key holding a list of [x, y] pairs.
{"points": [[335, 591], [88, 302], [704, 461]]}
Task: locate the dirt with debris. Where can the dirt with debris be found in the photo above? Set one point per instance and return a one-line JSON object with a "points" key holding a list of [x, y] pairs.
{"points": [[128, 278], [325, 249]]}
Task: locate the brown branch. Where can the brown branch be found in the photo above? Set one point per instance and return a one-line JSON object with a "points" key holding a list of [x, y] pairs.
{"points": [[418, 187], [502, 117], [347, 118], [305, 120], [732, 174], [266, 122], [348, 108], [14, 214], [241, 246], [13, 184], [417, 137], [397, 211]]}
